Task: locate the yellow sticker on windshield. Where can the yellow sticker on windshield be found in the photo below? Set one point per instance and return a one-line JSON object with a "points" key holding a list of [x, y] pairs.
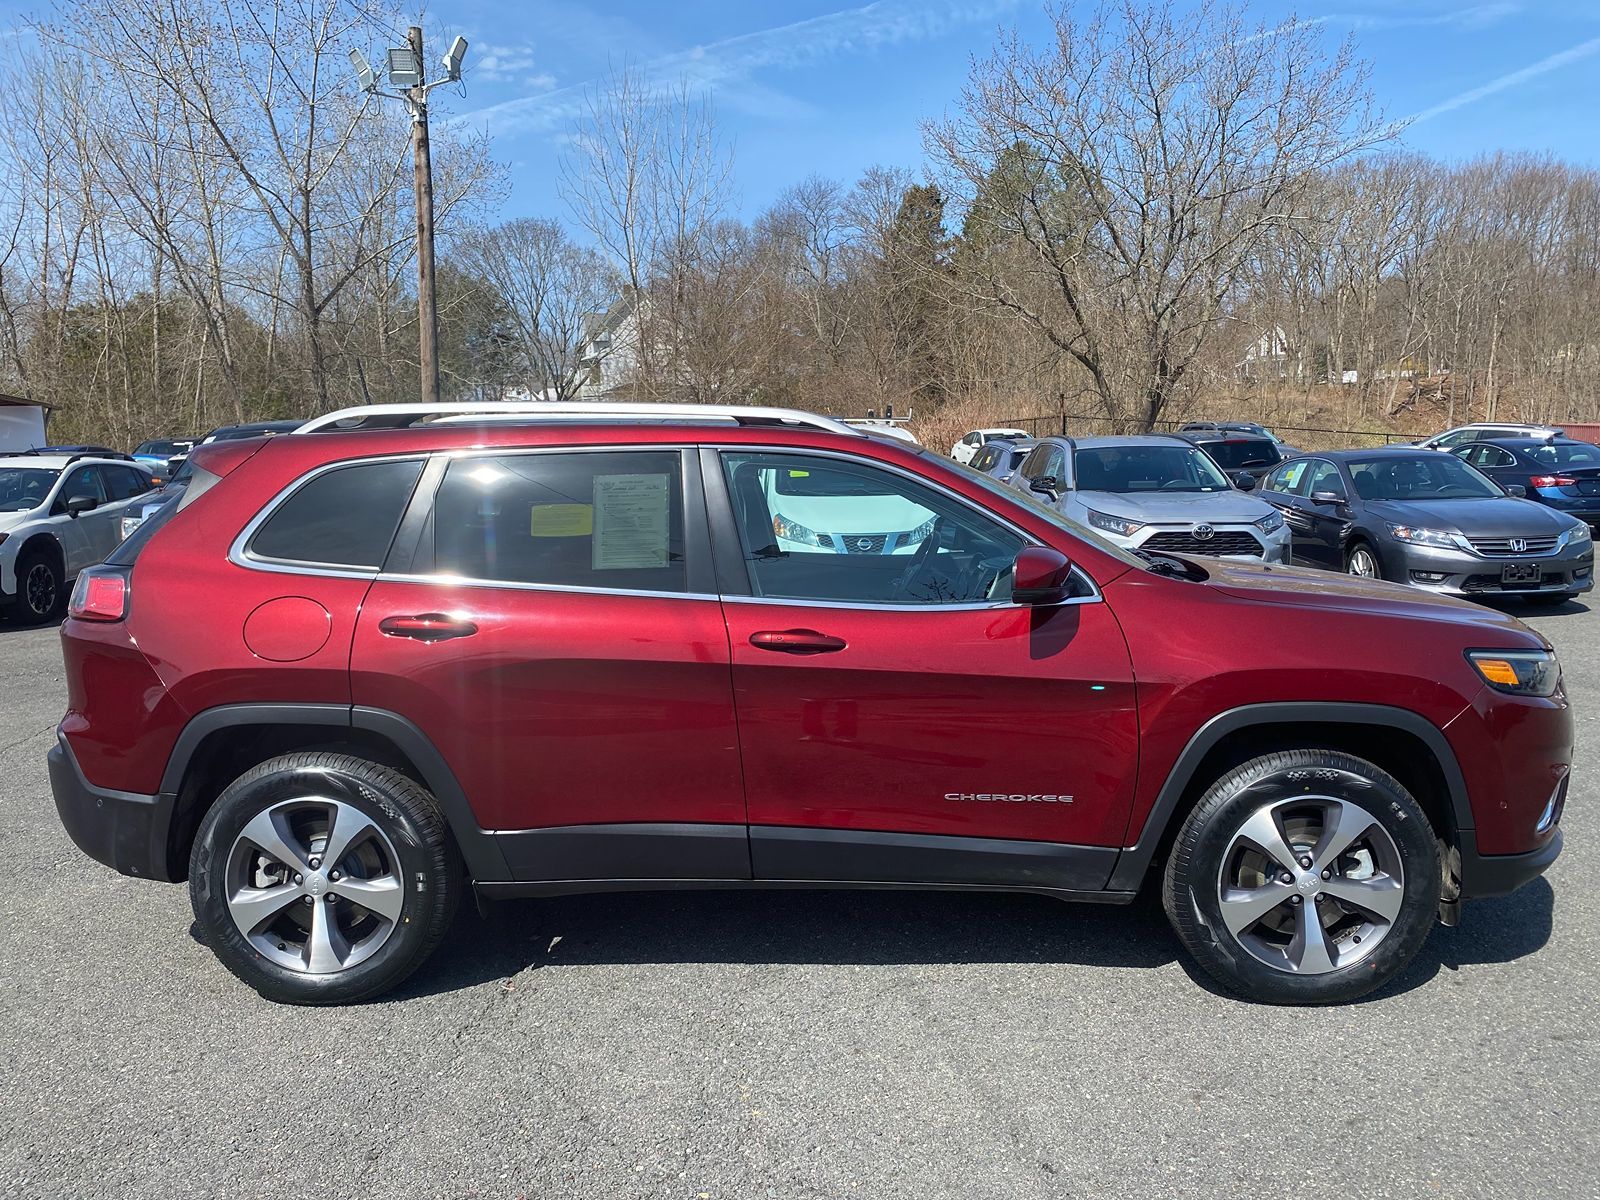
{"points": [[798, 474], [562, 520]]}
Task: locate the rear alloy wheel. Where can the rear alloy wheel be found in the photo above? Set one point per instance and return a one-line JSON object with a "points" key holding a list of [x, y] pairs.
{"points": [[39, 588], [1363, 562], [1307, 877], [323, 878]]}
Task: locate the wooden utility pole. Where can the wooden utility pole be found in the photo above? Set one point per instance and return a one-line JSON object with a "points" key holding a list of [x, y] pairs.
{"points": [[427, 297]]}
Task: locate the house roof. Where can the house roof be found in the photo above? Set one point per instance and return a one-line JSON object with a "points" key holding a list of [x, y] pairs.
{"points": [[21, 402]]}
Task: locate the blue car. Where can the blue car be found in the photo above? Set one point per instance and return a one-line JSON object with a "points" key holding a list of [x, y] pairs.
{"points": [[1558, 471]]}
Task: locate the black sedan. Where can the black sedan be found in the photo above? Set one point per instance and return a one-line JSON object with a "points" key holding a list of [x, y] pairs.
{"points": [[1560, 472], [1426, 518]]}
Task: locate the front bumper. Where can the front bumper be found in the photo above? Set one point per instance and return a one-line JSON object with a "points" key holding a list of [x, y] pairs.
{"points": [[1460, 573], [124, 830], [1484, 875]]}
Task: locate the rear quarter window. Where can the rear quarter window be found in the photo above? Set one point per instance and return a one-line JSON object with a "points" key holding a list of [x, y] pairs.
{"points": [[344, 517]]}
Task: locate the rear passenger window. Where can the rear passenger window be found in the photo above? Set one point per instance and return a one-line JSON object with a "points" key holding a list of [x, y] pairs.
{"points": [[604, 520], [345, 517], [123, 483]]}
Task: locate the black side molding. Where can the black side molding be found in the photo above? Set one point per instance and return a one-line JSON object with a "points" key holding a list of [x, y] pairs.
{"points": [[1135, 860], [844, 856]]}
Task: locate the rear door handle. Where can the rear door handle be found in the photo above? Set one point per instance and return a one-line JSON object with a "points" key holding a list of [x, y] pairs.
{"points": [[427, 627], [796, 641]]}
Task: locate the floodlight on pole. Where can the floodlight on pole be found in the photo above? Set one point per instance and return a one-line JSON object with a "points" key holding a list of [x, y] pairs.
{"points": [[453, 58], [365, 75], [405, 73], [405, 68]]}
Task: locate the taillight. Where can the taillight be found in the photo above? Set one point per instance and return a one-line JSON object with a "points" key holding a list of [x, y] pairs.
{"points": [[1552, 481], [100, 595]]}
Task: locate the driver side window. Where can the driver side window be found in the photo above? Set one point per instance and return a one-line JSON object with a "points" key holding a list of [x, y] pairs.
{"points": [[84, 481], [838, 531]]}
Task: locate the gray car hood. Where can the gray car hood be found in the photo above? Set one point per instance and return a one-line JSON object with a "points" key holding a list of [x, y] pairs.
{"points": [[1505, 516], [1186, 508], [10, 520]]}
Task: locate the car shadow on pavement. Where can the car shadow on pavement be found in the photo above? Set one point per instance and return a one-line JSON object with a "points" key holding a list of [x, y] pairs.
{"points": [[10, 625], [866, 928], [1521, 609], [1498, 930]]}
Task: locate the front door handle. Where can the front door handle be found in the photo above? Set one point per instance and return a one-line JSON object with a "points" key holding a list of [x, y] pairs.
{"points": [[796, 641], [427, 627]]}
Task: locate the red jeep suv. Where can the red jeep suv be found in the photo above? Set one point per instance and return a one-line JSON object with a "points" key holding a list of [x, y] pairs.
{"points": [[620, 647]]}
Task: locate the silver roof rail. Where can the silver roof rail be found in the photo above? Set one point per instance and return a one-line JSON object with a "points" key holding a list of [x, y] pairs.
{"points": [[402, 416]]}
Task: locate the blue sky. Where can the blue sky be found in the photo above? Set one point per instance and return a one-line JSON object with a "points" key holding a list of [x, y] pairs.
{"points": [[802, 88]]}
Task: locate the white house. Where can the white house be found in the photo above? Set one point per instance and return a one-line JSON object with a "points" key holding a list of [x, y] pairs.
{"points": [[610, 353], [1268, 357]]}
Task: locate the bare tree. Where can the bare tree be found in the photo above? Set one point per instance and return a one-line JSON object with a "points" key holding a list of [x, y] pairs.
{"points": [[1158, 149], [550, 286]]}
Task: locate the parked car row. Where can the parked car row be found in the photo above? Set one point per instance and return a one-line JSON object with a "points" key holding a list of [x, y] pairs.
{"points": [[1481, 510]]}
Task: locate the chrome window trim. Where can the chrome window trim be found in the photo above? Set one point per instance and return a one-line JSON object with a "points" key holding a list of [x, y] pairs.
{"points": [[989, 514], [240, 556]]}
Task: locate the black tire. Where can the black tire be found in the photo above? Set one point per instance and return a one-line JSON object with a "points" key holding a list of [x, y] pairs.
{"points": [[1361, 545], [414, 833], [1206, 847], [40, 589]]}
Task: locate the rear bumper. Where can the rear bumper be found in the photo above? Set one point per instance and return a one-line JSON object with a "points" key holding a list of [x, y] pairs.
{"points": [[123, 830], [1485, 875]]}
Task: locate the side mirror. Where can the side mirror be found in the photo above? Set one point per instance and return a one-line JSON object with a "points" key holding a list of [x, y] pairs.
{"points": [[78, 505], [1041, 576], [1246, 482], [1045, 485], [1326, 498], [1516, 489]]}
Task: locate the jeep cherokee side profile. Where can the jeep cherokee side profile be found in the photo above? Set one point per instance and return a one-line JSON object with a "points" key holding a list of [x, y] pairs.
{"points": [[573, 651]]}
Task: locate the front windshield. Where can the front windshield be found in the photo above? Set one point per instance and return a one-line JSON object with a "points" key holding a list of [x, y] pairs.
{"points": [[1422, 477], [163, 449], [1136, 468], [1565, 455], [24, 488], [1032, 502]]}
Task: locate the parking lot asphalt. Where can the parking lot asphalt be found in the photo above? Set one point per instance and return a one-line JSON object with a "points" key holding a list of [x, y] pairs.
{"points": [[781, 1044]]}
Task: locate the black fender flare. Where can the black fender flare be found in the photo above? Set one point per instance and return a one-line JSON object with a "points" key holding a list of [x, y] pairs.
{"points": [[479, 850], [1135, 860]]}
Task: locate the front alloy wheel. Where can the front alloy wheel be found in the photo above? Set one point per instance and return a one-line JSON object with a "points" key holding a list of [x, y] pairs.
{"points": [[1304, 877], [1311, 884], [1363, 563]]}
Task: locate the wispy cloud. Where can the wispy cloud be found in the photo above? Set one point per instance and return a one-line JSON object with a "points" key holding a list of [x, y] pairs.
{"points": [[509, 64], [1478, 16], [1544, 66], [731, 66]]}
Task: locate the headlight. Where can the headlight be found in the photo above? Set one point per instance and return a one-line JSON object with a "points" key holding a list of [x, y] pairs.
{"points": [[1578, 535], [1425, 537], [129, 524], [1271, 523], [1120, 526], [793, 531], [1520, 672]]}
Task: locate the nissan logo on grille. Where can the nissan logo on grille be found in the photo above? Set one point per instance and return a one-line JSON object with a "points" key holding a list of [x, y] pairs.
{"points": [[1204, 533]]}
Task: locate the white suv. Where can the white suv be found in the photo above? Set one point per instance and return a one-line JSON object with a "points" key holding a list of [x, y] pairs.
{"points": [[1461, 435], [969, 445], [58, 515]]}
